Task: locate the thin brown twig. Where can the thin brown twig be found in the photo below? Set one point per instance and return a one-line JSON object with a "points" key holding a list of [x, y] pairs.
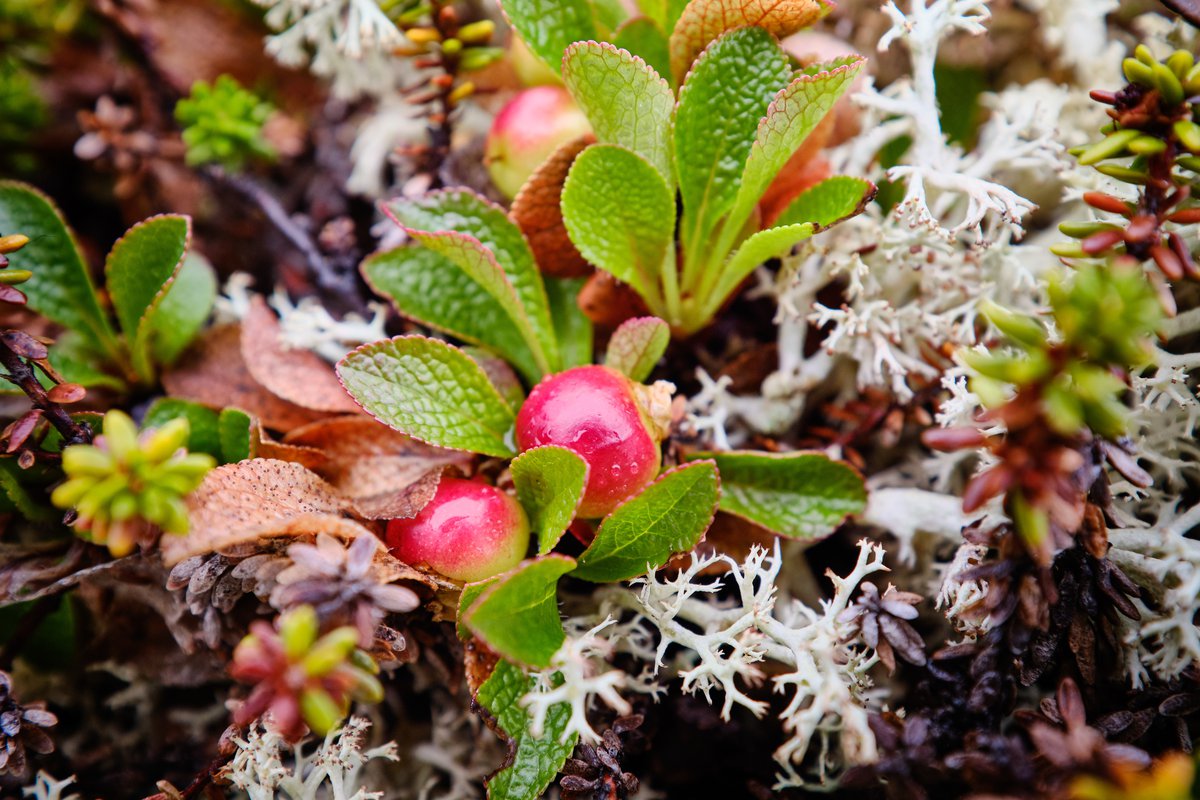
{"points": [[23, 375]]}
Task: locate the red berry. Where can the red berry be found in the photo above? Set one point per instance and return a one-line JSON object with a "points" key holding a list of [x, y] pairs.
{"points": [[527, 131], [468, 531], [595, 412]]}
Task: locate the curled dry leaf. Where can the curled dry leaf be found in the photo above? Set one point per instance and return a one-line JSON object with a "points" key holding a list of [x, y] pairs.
{"points": [[385, 474], [214, 374], [537, 210], [296, 375], [259, 498]]}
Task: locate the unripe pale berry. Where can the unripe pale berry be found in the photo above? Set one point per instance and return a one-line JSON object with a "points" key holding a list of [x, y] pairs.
{"points": [[602, 416], [468, 531], [527, 131]]}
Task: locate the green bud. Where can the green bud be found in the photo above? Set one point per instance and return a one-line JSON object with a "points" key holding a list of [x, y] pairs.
{"points": [[1068, 250], [1191, 81], [1143, 54], [477, 32], [298, 630], [1020, 328], [361, 659], [1189, 134], [71, 492], [1180, 62], [320, 711], [330, 650], [1064, 410], [175, 517], [452, 47], [92, 504], [162, 443], [1147, 145], [1082, 230], [476, 58], [1189, 162], [991, 393], [86, 459], [1110, 146], [1168, 84], [12, 277], [1033, 524], [1137, 72], [120, 434], [1138, 177], [366, 688], [123, 506]]}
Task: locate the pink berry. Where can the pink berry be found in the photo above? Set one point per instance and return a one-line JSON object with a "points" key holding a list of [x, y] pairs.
{"points": [[527, 131], [595, 412], [468, 531]]}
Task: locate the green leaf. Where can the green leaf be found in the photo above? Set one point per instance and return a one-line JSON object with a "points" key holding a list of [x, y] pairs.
{"points": [[792, 116], [828, 202], [571, 325], [720, 106], [16, 492], [183, 311], [501, 242], [637, 345], [762, 246], [701, 21], [620, 214], [61, 288], [203, 432], [625, 100], [431, 391], [235, 428], [535, 762], [549, 482], [432, 290], [139, 267], [644, 38], [548, 26], [73, 357], [799, 495], [668, 517], [466, 598], [517, 616]]}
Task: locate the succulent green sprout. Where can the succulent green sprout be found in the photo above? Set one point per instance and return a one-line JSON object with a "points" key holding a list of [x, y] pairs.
{"points": [[125, 487], [223, 124]]}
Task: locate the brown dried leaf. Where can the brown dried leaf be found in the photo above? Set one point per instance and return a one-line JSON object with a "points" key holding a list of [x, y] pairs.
{"points": [[537, 211], [266, 447], [214, 374], [384, 473], [257, 499], [298, 376]]}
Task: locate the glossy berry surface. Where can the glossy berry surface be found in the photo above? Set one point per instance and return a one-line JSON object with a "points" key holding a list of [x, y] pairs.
{"points": [[468, 531], [527, 131], [593, 411]]}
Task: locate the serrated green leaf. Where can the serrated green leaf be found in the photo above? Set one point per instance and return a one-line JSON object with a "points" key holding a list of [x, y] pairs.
{"points": [[139, 267], [549, 482], [644, 38], [535, 762], [720, 106], [828, 202], [431, 391], [702, 21], [637, 345], [792, 116], [571, 325], [176, 321], [762, 246], [798, 495], [620, 214], [464, 212], [431, 289], [235, 428], [549, 26], [668, 517], [517, 616], [625, 100], [61, 288], [203, 432]]}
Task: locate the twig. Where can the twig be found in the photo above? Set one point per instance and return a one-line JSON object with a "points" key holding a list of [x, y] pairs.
{"points": [[22, 374]]}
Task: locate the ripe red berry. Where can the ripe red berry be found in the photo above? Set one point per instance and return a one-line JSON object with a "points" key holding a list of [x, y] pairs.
{"points": [[468, 531], [527, 131], [600, 415]]}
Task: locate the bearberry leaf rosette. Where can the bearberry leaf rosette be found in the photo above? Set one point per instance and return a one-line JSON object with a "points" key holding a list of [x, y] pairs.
{"points": [[624, 99], [798, 495], [549, 482], [61, 287], [431, 391], [535, 761], [517, 614], [637, 345], [701, 21], [669, 516], [644, 37]]}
